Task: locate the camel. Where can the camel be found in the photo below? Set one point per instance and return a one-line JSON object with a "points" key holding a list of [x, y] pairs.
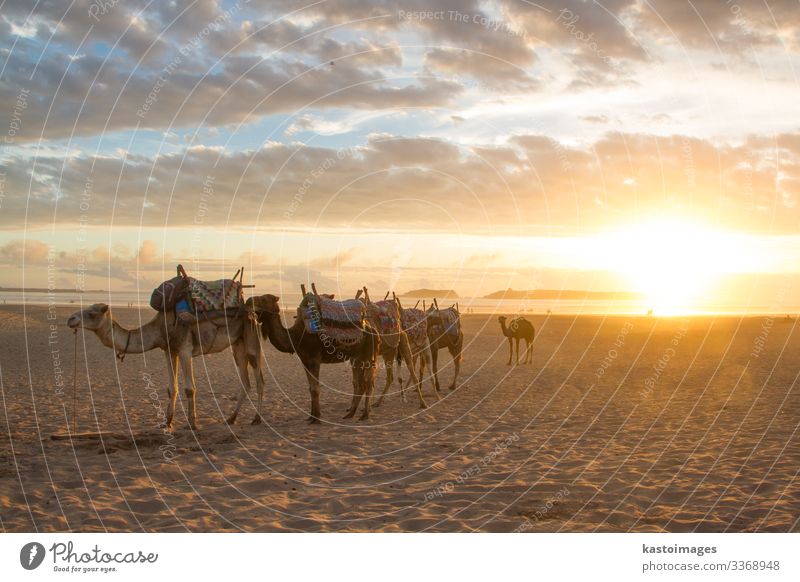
{"points": [[440, 338], [519, 328], [394, 341], [181, 343], [314, 350], [415, 326]]}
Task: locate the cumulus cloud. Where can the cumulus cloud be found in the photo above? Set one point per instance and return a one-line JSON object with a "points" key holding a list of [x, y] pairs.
{"points": [[425, 184]]}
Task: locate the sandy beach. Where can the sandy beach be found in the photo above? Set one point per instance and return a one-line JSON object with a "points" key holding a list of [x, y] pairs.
{"points": [[620, 424]]}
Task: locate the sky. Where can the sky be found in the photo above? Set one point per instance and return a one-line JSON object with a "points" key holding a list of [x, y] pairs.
{"points": [[475, 146]]}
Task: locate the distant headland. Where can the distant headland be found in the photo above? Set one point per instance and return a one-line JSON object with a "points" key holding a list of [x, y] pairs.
{"points": [[564, 294]]}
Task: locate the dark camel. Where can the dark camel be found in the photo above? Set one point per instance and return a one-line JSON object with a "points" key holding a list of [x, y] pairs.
{"points": [[313, 351], [519, 328], [440, 338], [394, 345]]}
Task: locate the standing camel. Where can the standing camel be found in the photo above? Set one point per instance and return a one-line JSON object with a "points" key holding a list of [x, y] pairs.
{"points": [[415, 325], [180, 343], [519, 328], [444, 332], [385, 317], [314, 350]]}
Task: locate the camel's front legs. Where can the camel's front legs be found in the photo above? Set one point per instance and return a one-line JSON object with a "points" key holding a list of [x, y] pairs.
{"points": [[189, 389], [357, 388], [517, 342], [240, 359], [172, 387], [388, 359], [425, 362], [312, 367], [254, 356], [405, 352], [510, 350]]}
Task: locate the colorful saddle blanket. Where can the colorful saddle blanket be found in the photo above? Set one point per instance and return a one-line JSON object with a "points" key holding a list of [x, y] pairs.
{"points": [[342, 321], [415, 324], [385, 317], [450, 322], [221, 295]]}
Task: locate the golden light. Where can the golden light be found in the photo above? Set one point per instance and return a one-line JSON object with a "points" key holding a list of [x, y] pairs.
{"points": [[673, 262]]}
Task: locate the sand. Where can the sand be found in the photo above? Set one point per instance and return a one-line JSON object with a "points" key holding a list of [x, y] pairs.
{"points": [[620, 424]]}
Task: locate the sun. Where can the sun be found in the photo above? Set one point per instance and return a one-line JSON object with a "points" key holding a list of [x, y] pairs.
{"points": [[672, 262]]}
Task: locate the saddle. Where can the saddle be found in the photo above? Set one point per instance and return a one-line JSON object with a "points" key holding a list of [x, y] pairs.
{"points": [[385, 317], [215, 296], [415, 324], [342, 321], [192, 298], [450, 322]]}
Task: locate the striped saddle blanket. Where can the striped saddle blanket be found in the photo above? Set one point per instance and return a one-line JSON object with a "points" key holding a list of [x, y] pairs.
{"points": [[415, 324], [342, 321], [448, 321], [385, 317], [215, 296]]}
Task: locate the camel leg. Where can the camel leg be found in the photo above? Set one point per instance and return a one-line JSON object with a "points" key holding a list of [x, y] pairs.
{"points": [[388, 358], [259, 373], [367, 379], [390, 373], [240, 359], [312, 374], [400, 380], [357, 388], [510, 350], [517, 342], [405, 352], [190, 390], [455, 351], [172, 388], [425, 362], [254, 354], [435, 366], [529, 352]]}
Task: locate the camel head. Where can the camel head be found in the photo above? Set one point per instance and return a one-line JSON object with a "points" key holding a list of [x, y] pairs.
{"points": [[92, 318], [264, 304], [502, 319]]}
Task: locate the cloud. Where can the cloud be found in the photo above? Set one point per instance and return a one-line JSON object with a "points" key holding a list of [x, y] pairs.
{"points": [[529, 182], [496, 74], [29, 252], [725, 26], [338, 260]]}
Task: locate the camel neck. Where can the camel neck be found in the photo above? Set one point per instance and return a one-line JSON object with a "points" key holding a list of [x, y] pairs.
{"points": [[504, 328], [279, 336], [130, 341]]}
